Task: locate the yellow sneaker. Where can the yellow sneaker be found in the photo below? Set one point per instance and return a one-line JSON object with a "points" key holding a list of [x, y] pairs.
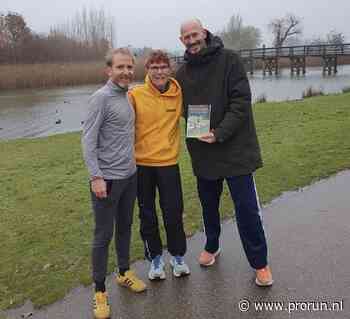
{"points": [[101, 306], [130, 281]]}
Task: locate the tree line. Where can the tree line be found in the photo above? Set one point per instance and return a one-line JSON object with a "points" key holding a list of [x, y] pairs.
{"points": [[86, 37], [91, 32], [285, 31]]}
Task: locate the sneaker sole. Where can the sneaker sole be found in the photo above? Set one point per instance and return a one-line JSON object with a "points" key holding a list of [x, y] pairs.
{"points": [[122, 284], [212, 262], [263, 284], [182, 274], [155, 278], [177, 274], [102, 317]]}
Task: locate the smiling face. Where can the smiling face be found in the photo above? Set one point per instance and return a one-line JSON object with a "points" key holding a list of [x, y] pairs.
{"points": [[193, 36], [158, 69], [159, 73], [122, 70]]}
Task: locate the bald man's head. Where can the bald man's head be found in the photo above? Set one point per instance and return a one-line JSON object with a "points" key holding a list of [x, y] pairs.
{"points": [[193, 35], [191, 22]]}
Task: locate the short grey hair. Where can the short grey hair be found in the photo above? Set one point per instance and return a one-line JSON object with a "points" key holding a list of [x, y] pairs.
{"points": [[112, 52]]}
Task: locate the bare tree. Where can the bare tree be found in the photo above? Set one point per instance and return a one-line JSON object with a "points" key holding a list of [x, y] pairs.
{"points": [[85, 37], [92, 27], [13, 34], [318, 40], [16, 28], [335, 37], [285, 28], [2, 30], [237, 36], [3, 39]]}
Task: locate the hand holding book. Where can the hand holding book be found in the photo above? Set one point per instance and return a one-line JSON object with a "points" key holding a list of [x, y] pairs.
{"points": [[208, 138]]}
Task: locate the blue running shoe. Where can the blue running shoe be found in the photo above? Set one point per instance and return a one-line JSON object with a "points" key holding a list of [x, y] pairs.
{"points": [[157, 269], [179, 266]]}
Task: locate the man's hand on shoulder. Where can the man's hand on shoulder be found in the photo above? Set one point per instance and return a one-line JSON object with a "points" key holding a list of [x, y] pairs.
{"points": [[99, 187]]}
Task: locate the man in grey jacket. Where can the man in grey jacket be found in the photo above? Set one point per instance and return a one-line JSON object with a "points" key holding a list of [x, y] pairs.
{"points": [[108, 148]]}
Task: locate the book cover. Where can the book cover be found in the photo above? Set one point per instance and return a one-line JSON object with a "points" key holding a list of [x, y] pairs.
{"points": [[198, 120]]}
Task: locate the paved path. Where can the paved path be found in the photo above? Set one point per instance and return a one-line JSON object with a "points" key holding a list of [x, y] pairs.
{"points": [[309, 239]]}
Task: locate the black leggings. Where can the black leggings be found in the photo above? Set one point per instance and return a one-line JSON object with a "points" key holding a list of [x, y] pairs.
{"points": [[168, 181]]}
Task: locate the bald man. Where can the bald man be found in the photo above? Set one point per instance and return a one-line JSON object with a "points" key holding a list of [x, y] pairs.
{"points": [[215, 76]]}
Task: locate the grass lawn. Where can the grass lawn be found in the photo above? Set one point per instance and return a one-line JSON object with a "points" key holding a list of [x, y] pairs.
{"points": [[45, 214]]}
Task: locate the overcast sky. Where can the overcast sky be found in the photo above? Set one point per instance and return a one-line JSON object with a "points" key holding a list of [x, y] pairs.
{"points": [[156, 23]]}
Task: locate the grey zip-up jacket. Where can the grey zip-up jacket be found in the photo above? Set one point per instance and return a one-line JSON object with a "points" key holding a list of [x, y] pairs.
{"points": [[109, 134]]}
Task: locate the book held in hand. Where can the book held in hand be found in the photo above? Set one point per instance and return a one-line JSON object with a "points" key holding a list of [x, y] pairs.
{"points": [[198, 120]]}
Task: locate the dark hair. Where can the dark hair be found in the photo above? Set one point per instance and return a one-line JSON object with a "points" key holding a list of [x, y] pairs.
{"points": [[157, 56]]}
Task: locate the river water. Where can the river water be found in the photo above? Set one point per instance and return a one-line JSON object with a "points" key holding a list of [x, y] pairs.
{"points": [[43, 112]]}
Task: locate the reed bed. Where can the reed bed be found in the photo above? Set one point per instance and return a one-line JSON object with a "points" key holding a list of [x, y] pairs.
{"points": [[29, 76]]}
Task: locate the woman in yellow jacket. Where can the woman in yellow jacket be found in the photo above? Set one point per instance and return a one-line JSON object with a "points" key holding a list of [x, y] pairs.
{"points": [[158, 107]]}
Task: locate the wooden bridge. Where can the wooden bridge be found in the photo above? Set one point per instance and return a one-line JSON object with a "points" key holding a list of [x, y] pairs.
{"points": [[270, 57]]}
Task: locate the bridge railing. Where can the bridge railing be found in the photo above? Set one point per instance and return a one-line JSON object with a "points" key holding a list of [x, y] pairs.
{"points": [[290, 51], [302, 50], [177, 59]]}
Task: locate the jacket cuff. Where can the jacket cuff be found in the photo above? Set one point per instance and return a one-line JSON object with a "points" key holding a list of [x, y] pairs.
{"points": [[219, 138], [95, 175], [93, 178]]}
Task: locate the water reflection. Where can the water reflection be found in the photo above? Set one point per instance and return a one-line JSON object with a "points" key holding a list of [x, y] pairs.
{"points": [[35, 113], [286, 87]]}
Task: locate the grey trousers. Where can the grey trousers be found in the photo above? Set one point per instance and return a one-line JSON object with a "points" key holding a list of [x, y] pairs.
{"points": [[113, 214]]}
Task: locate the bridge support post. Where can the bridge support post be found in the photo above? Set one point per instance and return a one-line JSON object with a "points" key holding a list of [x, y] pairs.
{"points": [[270, 65], [297, 65], [249, 65], [330, 64]]}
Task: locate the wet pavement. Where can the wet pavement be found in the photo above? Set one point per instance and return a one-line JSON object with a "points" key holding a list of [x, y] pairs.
{"points": [[309, 247]]}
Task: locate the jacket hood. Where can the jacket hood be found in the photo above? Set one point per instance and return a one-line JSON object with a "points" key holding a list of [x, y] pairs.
{"points": [[214, 46], [173, 90]]}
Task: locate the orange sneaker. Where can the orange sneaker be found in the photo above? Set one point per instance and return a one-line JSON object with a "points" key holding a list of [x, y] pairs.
{"points": [[207, 259], [264, 277]]}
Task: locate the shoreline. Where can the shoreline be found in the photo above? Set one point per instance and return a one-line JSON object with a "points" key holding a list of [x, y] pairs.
{"points": [[61, 75]]}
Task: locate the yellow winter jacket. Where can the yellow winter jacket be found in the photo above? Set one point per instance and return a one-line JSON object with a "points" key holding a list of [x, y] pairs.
{"points": [[157, 127]]}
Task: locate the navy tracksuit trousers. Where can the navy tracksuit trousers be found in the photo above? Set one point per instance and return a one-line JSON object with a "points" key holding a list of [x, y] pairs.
{"points": [[249, 223]]}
